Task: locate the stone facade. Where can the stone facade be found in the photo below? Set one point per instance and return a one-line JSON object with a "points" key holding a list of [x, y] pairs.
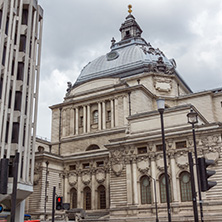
{"points": [[106, 143]]}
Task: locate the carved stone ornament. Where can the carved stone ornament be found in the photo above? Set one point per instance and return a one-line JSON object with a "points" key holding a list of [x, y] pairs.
{"points": [[100, 175], [160, 162], [86, 177], [72, 179], [212, 156], [210, 141], [37, 173], [117, 168], [143, 165], [163, 84], [36, 178], [182, 160]]}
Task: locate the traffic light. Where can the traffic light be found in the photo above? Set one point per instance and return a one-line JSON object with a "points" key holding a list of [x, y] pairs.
{"points": [[59, 203], [205, 174]]}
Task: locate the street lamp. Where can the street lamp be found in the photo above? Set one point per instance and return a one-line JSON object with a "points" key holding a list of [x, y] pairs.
{"points": [[46, 183], [192, 118], [155, 198], [161, 107]]}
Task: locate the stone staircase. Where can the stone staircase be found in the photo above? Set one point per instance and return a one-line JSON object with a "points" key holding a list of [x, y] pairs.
{"points": [[100, 216]]}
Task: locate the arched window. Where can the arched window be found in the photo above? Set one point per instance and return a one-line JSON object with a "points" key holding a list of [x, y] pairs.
{"points": [[73, 198], [87, 198], [145, 190], [185, 187], [95, 116], [92, 147], [162, 183], [101, 197]]}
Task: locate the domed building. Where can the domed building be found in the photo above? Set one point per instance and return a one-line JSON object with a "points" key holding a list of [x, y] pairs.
{"points": [[106, 149]]}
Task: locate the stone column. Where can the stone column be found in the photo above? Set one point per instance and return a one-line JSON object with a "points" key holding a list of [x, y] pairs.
{"points": [[125, 110], [173, 176], [129, 182], [153, 175], [99, 116], [135, 192], [107, 188], [63, 122], [65, 191], [77, 120], [88, 118], [112, 113], [116, 112], [84, 119], [104, 114], [71, 121], [79, 193], [94, 199]]}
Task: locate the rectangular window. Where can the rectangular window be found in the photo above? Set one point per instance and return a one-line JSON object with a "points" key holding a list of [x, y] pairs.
{"points": [[18, 100], [6, 26], [100, 164], [181, 144], [25, 17], [15, 133], [109, 115], [20, 71], [85, 165], [22, 43], [10, 99], [159, 147], [81, 121], [142, 150], [1, 83], [4, 55], [72, 167]]}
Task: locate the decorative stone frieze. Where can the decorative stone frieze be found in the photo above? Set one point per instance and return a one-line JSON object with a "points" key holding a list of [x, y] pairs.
{"points": [[209, 141], [72, 178], [100, 175]]}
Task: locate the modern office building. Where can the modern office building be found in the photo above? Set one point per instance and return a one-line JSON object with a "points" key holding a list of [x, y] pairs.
{"points": [[105, 154], [20, 50]]}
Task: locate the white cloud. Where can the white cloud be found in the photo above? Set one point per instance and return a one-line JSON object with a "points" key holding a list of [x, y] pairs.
{"points": [[76, 32]]}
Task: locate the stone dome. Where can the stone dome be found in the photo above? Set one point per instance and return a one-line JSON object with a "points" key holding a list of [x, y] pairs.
{"points": [[130, 56]]}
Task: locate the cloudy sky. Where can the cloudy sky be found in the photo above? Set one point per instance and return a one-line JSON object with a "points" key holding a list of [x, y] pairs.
{"points": [[78, 31]]}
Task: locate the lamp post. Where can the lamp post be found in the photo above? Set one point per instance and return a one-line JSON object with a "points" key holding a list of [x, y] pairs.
{"points": [[161, 107], [155, 198], [192, 119], [46, 183]]}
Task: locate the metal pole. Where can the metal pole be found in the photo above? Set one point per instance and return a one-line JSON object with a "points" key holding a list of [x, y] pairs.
{"points": [[14, 191], [165, 166], [53, 204], [157, 219], [194, 196], [198, 174], [46, 182]]}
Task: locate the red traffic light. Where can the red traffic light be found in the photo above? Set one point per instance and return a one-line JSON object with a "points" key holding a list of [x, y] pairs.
{"points": [[59, 199]]}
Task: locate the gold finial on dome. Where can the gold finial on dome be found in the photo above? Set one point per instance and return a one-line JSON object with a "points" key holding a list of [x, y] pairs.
{"points": [[130, 10]]}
